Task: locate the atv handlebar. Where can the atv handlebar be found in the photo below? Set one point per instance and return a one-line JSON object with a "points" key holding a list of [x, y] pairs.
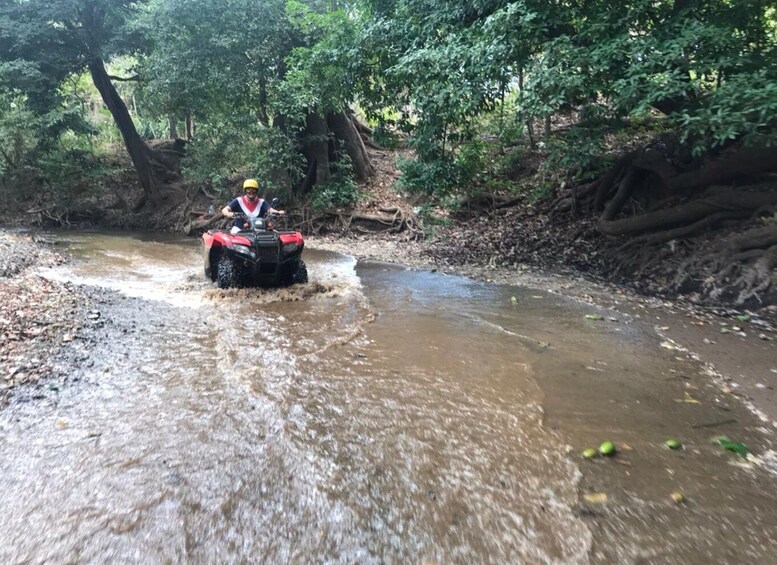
{"points": [[271, 216]]}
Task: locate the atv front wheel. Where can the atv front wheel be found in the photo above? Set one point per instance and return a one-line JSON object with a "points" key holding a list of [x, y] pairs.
{"points": [[227, 273], [295, 273], [300, 276]]}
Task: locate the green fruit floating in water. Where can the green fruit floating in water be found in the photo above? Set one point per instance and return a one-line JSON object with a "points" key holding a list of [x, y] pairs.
{"points": [[673, 444], [678, 497], [607, 448], [589, 453]]}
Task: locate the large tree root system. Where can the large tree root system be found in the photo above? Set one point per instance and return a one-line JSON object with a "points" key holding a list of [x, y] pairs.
{"points": [[658, 220]]}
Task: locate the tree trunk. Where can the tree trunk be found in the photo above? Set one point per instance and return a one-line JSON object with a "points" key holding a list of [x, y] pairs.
{"points": [[315, 147], [173, 122], [137, 149], [343, 129], [189, 126]]}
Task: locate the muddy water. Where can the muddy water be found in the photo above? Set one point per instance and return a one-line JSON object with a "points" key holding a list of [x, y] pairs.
{"points": [[374, 415]]}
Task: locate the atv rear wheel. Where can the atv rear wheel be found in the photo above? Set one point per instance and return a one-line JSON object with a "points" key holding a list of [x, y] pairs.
{"points": [[227, 273]]}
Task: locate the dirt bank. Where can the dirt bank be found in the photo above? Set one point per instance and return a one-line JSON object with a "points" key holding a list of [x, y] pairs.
{"points": [[39, 319], [738, 347]]}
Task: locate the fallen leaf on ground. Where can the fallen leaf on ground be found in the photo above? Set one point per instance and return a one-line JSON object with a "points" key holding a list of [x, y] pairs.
{"points": [[687, 399], [735, 447]]}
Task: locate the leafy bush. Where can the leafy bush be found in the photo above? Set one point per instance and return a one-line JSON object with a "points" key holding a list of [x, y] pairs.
{"points": [[471, 161], [46, 159], [384, 137], [340, 190], [436, 177], [580, 150], [743, 107], [224, 152]]}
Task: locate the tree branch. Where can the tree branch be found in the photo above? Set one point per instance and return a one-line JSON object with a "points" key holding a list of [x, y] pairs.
{"points": [[133, 78]]}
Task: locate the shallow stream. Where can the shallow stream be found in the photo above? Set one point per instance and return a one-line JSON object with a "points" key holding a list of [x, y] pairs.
{"points": [[377, 414]]}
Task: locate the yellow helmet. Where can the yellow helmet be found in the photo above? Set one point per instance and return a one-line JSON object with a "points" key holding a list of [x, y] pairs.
{"points": [[250, 183]]}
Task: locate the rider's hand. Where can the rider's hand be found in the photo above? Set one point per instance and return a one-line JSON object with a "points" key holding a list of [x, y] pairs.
{"points": [[281, 212], [230, 214]]}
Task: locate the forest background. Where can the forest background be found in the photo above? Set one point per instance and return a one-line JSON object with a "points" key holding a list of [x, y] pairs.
{"points": [[634, 140]]}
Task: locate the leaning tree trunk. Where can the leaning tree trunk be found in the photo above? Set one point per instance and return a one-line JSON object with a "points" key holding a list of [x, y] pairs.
{"points": [[137, 149], [344, 129]]}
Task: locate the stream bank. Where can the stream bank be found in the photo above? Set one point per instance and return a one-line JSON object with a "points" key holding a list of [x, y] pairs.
{"points": [[41, 321]]}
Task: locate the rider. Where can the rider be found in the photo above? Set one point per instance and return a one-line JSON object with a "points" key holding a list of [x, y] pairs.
{"points": [[250, 205]]}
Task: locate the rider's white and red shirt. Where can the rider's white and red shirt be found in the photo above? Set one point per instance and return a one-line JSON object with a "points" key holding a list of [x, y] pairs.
{"points": [[256, 209]]}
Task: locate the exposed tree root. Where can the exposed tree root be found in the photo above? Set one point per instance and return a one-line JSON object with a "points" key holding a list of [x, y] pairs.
{"points": [[738, 269], [658, 219], [684, 231], [692, 211], [372, 223]]}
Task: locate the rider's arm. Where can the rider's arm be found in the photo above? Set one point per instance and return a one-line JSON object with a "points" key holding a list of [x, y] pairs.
{"points": [[272, 210], [227, 211]]}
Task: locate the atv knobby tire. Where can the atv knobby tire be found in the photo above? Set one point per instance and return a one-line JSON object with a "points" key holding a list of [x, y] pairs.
{"points": [[295, 274], [227, 273], [301, 274]]}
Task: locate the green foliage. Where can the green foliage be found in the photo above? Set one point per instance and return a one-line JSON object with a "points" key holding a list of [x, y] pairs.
{"points": [[744, 107], [708, 66], [385, 137], [57, 172], [225, 152], [17, 132], [435, 177], [328, 63], [580, 151], [46, 41], [211, 60], [463, 79], [340, 191], [250, 75]]}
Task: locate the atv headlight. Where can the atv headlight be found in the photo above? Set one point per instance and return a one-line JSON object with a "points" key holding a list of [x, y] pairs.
{"points": [[289, 248], [243, 249]]}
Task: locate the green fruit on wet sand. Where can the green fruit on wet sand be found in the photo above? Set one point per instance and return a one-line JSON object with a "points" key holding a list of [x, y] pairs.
{"points": [[607, 448], [673, 444], [590, 453], [678, 497]]}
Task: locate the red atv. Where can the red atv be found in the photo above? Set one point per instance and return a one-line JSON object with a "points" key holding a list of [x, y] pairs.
{"points": [[259, 255]]}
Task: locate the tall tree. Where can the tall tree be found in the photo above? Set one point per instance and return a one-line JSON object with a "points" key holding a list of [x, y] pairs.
{"points": [[44, 41], [249, 72]]}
